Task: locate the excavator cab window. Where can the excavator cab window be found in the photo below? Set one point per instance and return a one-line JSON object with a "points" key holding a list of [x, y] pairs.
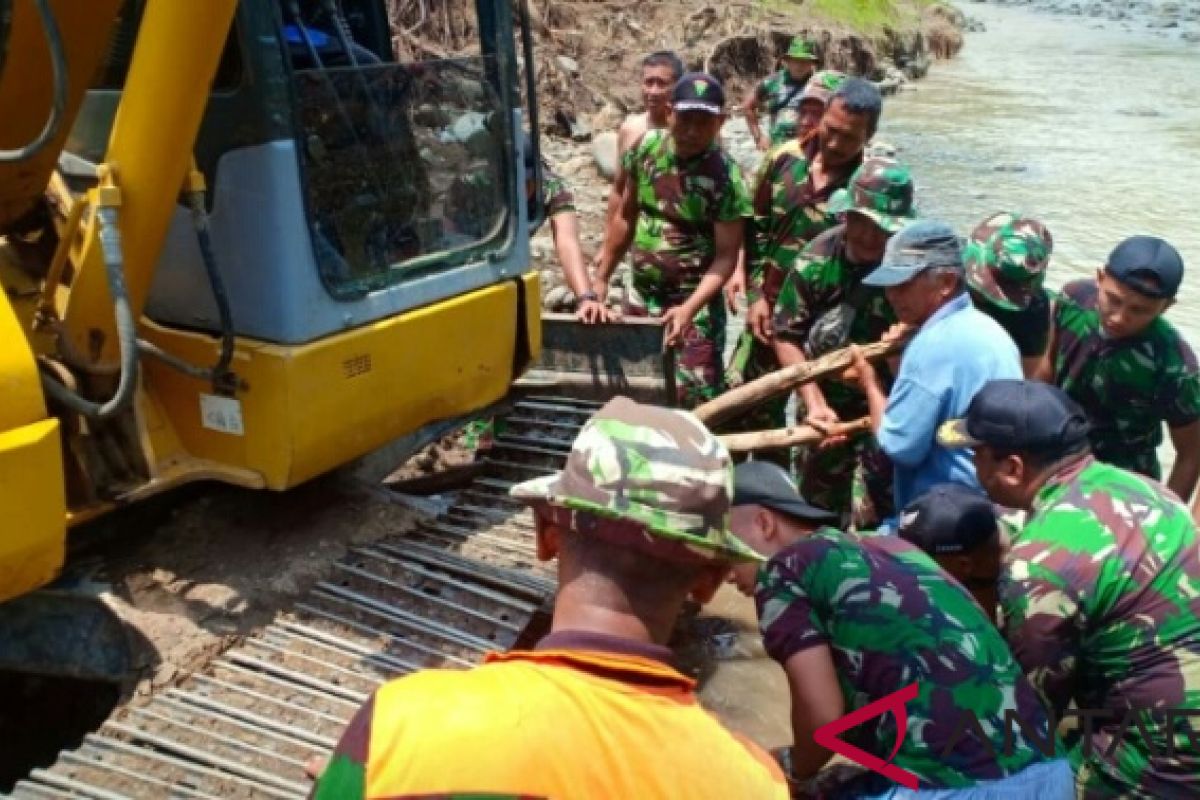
{"points": [[365, 166], [406, 166]]}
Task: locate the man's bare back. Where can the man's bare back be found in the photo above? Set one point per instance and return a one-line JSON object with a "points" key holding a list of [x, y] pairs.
{"points": [[631, 129]]}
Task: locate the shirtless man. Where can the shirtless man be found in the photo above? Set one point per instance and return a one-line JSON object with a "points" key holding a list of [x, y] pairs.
{"points": [[661, 70]]}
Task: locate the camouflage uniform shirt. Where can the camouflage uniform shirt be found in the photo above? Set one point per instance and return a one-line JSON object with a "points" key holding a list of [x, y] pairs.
{"points": [[1029, 327], [678, 203], [788, 213], [781, 94], [820, 279], [890, 616], [1128, 387], [1101, 599]]}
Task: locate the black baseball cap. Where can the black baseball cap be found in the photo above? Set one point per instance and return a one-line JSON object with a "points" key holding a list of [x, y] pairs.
{"points": [[698, 91], [949, 518], [1018, 415], [1148, 265], [763, 483]]}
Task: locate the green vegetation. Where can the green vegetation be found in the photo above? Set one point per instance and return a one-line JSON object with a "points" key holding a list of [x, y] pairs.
{"points": [[865, 15]]}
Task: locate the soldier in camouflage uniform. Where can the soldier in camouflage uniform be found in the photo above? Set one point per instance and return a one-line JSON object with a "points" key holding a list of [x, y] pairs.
{"points": [[1100, 592], [854, 619], [1006, 259], [682, 211], [639, 521], [791, 209], [788, 212], [780, 92], [1116, 355], [959, 528], [815, 99], [824, 305]]}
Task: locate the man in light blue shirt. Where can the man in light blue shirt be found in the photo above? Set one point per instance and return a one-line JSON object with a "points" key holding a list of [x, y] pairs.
{"points": [[956, 350]]}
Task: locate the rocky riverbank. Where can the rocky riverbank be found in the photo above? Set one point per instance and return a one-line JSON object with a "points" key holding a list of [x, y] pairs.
{"points": [[588, 61], [1168, 18]]}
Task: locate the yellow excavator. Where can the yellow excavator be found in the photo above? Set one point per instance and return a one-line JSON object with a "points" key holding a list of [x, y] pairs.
{"points": [[234, 246]]}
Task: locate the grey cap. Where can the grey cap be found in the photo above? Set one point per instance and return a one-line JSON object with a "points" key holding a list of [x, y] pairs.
{"points": [[920, 245]]}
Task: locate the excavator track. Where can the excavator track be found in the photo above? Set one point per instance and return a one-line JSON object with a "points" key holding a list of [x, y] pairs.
{"points": [[462, 584]]}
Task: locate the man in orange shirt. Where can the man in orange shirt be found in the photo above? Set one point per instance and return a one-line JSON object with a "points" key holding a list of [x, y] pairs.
{"points": [[639, 521]]}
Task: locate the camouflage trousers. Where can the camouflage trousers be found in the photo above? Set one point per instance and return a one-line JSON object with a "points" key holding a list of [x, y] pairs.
{"points": [[480, 434], [853, 479], [753, 359], [698, 373]]}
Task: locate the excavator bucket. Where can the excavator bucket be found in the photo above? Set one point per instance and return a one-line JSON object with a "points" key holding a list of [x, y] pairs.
{"points": [[63, 658], [597, 362], [65, 634]]}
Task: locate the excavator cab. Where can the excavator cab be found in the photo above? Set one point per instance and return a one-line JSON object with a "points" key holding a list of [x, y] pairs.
{"points": [[324, 247], [255, 241], [332, 169]]}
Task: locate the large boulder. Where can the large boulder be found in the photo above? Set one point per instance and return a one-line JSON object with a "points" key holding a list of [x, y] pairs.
{"points": [[604, 153]]}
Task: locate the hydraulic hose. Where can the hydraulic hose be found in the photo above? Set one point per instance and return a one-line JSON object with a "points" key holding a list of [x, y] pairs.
{"points": [[58, 107], [219, 372], [114, 266], [294, 10], [215, 282], [148, 348], [342, 29]]}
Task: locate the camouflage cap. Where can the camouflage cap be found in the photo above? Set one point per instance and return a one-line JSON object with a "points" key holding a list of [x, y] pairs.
{"points": [[657, 473], [880, 189], [802, 50], [1006, 258], [822, 85]]}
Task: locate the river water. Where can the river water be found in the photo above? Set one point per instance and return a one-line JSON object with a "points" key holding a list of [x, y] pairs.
{"points": [[1094, 131]]}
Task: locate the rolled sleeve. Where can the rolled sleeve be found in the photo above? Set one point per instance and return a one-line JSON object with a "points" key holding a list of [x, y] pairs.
{"points": [[1183, 405], [909, 423], [787, 619]]}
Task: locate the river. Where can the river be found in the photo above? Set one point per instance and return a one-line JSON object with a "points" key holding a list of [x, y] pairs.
{"points": [[1095, 131]]}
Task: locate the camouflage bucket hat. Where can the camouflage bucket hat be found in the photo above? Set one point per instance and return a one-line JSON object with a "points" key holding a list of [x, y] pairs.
{"points": [[800, 49], [822, 85], [657, 473], [880, 189], [1006, 259]]}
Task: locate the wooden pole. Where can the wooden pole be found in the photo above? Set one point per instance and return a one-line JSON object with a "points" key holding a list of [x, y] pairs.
{"points": [[790, 437], [748, 395]]}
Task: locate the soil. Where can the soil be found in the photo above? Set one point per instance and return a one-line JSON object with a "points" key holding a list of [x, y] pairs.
{"points": [[443, 455], [196, 570]]}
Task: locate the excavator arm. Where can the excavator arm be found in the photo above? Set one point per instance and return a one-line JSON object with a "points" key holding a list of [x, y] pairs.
{"points": [[51, 51], [368, 307]]}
